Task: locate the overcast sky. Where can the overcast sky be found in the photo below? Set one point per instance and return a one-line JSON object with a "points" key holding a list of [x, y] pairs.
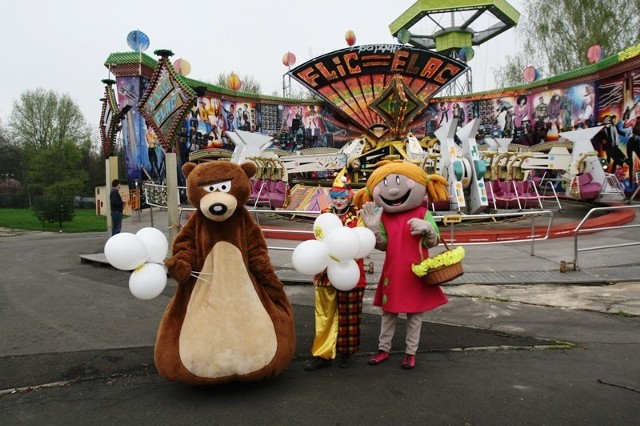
{"points": [[62, 45]]}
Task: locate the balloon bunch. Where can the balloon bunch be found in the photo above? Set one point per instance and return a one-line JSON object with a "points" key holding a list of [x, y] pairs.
{"points": [[335, 249], [143, 253]]}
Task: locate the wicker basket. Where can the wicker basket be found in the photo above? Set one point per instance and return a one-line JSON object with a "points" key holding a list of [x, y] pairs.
{"points": [[443, 274]]}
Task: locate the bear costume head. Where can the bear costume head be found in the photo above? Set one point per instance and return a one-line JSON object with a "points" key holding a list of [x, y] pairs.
{"points": [[230, 319], [218, 197]]}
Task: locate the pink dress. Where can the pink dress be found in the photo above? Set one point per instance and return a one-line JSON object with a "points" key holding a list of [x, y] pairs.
{"points": [[399, 289]]}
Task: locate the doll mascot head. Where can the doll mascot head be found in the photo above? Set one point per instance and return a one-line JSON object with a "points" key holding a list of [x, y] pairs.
{"points": [[395, 187]]}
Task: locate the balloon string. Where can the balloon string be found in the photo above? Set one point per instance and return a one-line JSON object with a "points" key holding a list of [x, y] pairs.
{"points": [[197, 275]]}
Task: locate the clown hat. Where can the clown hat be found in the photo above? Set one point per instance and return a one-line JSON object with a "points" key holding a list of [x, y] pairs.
{"points": [[342, 183]]}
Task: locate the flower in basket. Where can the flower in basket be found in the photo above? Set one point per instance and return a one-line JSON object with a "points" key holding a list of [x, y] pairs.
{"points": [[446, 258]]}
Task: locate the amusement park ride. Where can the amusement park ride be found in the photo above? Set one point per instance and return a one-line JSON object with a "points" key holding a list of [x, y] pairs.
{"points": [[477, 178], [380, 90]]}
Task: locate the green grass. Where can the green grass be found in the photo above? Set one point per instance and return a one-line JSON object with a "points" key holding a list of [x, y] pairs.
{"points": [[85, 220]]}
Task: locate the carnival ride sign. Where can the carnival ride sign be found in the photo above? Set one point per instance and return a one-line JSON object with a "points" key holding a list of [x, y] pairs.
{"points": [[354, 78], [166, 102]]}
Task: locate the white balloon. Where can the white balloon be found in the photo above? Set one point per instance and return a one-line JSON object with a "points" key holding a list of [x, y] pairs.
{"points": [[125, 251], [148, 281], [156, 243], [343, 275], [325, 224], [310, 257], [367, 241], [343, 243]]}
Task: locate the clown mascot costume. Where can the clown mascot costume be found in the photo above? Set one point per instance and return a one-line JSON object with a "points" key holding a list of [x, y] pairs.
{"points": [[338, 314]]}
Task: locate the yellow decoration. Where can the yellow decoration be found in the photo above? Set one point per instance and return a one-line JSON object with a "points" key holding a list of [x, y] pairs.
{"points": [[446, 258], [234, 82]]}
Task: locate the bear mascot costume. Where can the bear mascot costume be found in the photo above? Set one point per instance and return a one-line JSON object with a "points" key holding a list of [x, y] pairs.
{"points": [[229, 319]]}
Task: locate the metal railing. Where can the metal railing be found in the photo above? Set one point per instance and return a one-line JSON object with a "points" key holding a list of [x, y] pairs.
{"points": [[448, 222], [544, 184], [156, 197], [580, 229]]}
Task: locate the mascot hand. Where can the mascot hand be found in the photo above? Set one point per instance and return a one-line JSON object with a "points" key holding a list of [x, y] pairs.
{"points": [[424, 228], [371, 216], [420, 227], [178, 269]]}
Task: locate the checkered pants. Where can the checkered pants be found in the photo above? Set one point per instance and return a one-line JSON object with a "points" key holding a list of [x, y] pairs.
{"points": [[349, 319]]}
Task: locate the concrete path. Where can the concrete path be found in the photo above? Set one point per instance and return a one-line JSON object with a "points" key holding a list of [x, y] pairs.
{"points": [[518, 343]]}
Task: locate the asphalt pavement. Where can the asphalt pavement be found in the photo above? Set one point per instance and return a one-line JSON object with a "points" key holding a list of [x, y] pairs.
{"points": [[519, 342]]}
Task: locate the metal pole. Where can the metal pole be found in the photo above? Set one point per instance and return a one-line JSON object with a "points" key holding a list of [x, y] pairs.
{"points": [[173, 198], [533, 234]]}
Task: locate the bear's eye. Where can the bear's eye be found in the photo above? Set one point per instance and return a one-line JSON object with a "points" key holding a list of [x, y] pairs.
{"points": [[222, 187]]}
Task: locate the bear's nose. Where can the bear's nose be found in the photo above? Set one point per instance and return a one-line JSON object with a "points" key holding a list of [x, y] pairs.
{"points": [[218, 209]]}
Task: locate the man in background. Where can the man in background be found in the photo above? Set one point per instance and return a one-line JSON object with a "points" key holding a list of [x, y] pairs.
{"points": [[117, 206]]}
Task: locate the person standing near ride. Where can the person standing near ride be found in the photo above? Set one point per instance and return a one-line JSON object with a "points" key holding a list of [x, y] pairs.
{"points": [[117, 205], [338, 314]]}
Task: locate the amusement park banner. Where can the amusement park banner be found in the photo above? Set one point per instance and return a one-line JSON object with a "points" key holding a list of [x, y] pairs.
{"points": [[353, 79]]}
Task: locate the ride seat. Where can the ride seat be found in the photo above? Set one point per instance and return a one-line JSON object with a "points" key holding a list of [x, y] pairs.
{"points": [[526, 193], [504, 194], [589, 189], [259, 193], [493, 190]]}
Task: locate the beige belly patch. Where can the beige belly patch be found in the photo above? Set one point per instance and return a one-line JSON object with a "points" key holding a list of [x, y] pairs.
{"points": [[226, 329]]}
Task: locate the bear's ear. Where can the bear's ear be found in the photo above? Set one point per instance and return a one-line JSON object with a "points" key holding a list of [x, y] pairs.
{"points": [[249, 168], [188, 168]]}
